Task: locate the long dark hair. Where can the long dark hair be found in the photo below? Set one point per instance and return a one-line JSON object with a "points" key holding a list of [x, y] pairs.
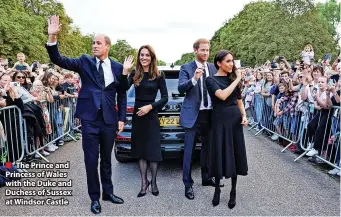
{"points": [[153, 70], [25, 85], [219, 57]]}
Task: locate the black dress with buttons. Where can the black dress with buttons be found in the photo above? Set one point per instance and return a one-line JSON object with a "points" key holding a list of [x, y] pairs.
{"points": [[227, 156], [145, 132]]}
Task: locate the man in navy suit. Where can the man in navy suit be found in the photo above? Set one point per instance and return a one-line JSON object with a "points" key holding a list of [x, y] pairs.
{"points": [[196, 112], [102, 80]]}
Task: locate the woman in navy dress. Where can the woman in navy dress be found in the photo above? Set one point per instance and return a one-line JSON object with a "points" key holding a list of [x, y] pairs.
{"points": [[227, 151], [145, 132]]}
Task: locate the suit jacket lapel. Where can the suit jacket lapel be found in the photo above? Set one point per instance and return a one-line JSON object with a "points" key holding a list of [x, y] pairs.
{"points": [[115, 73]]}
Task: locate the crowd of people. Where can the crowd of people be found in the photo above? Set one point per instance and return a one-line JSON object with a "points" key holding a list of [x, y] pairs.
{"points": [[299, 102], [44, 94]]}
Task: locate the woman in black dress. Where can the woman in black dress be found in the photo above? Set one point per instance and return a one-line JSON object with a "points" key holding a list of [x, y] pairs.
{"points": [[227, 151], [145, 132]]}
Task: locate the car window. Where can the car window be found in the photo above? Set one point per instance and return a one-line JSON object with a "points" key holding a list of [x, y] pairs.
{"points": [[172, 78]]}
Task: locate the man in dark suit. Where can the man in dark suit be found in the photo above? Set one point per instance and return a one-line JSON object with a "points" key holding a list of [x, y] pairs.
{"points": [[196, 112], [102, 80]]}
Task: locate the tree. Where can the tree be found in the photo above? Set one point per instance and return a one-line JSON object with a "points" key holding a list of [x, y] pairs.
{"points": [[185, 58], [23, 28], [330, 13], [20, 32], [295, 7], [161, 63], [263, 30], [121, 50]]}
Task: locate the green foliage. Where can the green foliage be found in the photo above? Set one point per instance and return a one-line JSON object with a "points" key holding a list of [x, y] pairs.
{"points": [[263, 30], [23, 28], [161, 63], [185, 58], [330, 13], [121, 50]]}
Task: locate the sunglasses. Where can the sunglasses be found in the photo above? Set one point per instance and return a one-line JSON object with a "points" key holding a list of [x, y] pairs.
{"points": [[21, 77]]}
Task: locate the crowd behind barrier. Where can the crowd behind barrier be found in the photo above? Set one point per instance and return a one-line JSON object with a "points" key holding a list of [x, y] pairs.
{"points": [[37, 107], [298, 103]]}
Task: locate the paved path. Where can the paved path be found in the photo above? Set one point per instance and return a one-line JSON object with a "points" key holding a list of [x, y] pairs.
{"points": [[275, 186]]}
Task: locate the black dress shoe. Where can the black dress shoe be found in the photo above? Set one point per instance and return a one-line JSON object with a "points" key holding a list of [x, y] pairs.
{"points": [[95, 207], [189, 193], [113, 198], [232, 202], [216, 197], [210, 182]]}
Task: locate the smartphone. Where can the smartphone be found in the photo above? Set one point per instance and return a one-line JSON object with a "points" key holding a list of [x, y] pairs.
{"points": [[315, 90], [327, 56], [15, 86], [20, 68]]}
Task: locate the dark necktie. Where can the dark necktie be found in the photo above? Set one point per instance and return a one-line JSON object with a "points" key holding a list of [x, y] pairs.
{"points": [[204, 88], [101, 73]]}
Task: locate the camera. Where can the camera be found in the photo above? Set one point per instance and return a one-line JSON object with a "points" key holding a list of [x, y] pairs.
{"points": [[281, 57]]}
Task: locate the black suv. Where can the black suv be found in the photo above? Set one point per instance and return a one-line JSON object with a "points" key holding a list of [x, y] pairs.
{"points": [[172, 134]]}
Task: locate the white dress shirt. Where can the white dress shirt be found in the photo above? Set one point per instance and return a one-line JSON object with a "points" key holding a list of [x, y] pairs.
{"points": [[194, 82], [108, 76]]}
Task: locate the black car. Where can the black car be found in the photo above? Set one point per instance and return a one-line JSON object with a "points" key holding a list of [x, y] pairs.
{"points": [[172, 134]]}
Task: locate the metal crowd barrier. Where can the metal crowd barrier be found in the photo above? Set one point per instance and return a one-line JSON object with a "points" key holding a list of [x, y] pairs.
{"points": [[11, 135], [60, 122], [293, 126], [329, 124]]}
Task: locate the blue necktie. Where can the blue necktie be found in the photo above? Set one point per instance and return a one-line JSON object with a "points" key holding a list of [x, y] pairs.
{"points": [[101, 73]]}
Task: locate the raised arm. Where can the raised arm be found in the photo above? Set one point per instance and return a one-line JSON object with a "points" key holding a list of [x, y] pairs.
{"points": [[186, 82], [72, 64], [126, 75], [222, 93]]}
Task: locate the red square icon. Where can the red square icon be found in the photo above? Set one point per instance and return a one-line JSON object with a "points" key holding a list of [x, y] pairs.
{"points": [[8, 165]]}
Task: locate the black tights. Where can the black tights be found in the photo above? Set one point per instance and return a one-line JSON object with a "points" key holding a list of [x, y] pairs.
{"points": [[143, 170], [233, 181]]}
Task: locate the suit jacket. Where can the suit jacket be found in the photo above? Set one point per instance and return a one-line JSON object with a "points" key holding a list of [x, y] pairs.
{"points": [[93, 91], [191, 105]]}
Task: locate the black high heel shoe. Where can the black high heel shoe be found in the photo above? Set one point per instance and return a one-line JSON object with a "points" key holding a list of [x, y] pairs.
{"points": [[232, 201], [155, 190], [216, 197], [141, 193]]}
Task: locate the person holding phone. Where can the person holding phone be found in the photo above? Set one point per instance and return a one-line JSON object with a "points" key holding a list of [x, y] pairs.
{"points": [[21, 65], [196, 112], [145, 132], [227, 151], [321, 122]]}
